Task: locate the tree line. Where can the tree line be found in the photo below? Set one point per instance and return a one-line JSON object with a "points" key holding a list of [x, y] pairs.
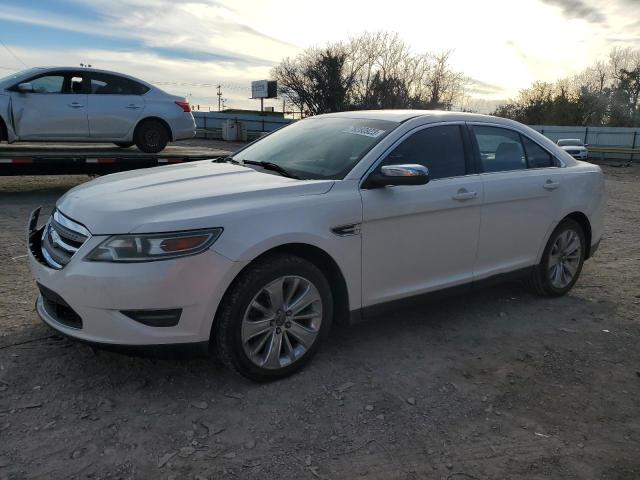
{"points": [[372, 71], [605, 94], [379, 70]]}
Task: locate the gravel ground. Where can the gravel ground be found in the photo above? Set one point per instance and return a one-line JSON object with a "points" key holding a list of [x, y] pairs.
{"points": [[494, 385]]}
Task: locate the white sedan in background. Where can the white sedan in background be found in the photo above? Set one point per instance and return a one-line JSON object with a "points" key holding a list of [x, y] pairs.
{"points": [[574, 147], [333, 217], [66, 104]]}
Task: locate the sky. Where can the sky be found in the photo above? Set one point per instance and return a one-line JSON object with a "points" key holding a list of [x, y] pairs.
{"points": [[189, 47]]}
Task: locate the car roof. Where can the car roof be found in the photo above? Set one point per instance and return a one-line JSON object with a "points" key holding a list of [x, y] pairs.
{"points": [[87, 69], [427, 115]]}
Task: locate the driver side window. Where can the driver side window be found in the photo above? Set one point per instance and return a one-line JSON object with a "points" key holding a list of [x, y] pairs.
{"points": [[48, 84], [440, 149]]}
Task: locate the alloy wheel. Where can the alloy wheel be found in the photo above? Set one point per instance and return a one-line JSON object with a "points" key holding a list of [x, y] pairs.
{"points": [[282, 322], [564, 258]]}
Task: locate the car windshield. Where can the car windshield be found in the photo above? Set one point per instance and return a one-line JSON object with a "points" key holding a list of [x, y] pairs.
{"points": [[570, 143], [319, 148]]}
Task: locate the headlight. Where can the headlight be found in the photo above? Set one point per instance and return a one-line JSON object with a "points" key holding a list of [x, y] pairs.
{"points": [[153, 246]]}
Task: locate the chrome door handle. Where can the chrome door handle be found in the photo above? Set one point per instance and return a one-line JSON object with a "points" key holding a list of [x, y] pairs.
{"points": [[133, 106], [76, 105], [551, 185], [463, 194]]}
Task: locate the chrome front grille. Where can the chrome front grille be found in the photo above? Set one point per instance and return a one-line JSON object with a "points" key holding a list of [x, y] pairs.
{"points": [[61, 239]]}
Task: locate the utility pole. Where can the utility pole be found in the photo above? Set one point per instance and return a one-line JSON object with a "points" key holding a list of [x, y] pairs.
{"points": [[219, 96]]}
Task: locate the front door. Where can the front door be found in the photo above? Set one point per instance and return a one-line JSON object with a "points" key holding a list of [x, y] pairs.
{"points": [[416, 239], [55, 109]]}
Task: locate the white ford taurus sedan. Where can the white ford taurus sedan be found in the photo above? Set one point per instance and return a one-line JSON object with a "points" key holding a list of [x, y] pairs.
{"points": [[69, 104], [331, 218]]}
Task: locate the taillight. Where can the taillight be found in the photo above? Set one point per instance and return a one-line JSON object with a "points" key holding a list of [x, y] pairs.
{"points": [[184, 106]]}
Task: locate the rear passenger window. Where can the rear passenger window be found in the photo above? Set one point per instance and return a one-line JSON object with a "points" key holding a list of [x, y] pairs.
{"points": [[440, 149], [500, 149], [106, 84], [537, 157]]}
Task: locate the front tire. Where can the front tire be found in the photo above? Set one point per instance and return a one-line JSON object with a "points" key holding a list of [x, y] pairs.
{"points": [[561, 262], [151, 136], [274, 318]]}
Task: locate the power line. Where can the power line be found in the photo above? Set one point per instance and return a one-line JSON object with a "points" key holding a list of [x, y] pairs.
{"points": [[13, 54], [229, 86]]}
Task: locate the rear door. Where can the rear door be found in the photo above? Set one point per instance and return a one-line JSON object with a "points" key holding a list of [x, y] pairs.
{"points": [[522, 190], [56, 109], [115, 105]]}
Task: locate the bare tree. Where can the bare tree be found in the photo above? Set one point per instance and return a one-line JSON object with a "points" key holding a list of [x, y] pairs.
{"points": [[606, 93], [373, 70]]}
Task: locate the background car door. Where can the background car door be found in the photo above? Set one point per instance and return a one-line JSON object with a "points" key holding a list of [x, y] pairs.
{"points": [[115, 105], [521, 189], [56, 109], [421, 238]]}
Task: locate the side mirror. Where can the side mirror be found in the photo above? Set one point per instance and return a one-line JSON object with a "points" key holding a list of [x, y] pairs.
{"points": [[390, 175], [25, 87]]}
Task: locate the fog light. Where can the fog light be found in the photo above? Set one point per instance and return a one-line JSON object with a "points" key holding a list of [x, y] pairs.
{"points": [[155, 318]]}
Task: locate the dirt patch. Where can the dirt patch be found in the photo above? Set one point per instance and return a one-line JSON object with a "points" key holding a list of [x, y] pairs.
{"points": [[497, 384]]}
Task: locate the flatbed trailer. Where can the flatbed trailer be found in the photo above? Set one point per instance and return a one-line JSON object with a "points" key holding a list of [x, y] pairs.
{"points": [[92, 159]]}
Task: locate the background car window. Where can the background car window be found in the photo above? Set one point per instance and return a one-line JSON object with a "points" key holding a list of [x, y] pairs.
{"points": [[537, 157], [105, 84], [500, 149], [440, 149], [48, 84], [76, 85]]}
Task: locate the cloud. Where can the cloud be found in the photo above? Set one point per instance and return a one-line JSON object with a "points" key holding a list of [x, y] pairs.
{"points": [[195, 30], [484, 88], [579, 9]]}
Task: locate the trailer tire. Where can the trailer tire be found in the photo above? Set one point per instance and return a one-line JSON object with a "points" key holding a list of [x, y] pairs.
{"points": [[151, 136], [3, 131]]}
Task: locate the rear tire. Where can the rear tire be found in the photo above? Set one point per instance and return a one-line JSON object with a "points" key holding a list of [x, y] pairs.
{"points": [[561, 262], [123, 144], [3, 131], [151, 136], [263, 329]]}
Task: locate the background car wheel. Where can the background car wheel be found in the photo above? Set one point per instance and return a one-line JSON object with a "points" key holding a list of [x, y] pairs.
{"points": [[151, 136], [273, 318], [561, 262], [123, 144]]}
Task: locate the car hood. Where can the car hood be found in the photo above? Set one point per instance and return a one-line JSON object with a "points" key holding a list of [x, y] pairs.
{"points": [[178, 197]]}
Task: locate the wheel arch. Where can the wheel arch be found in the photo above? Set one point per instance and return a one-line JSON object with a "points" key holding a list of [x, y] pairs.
{"points": [[159, 119], [584, 222], [318, 257]]}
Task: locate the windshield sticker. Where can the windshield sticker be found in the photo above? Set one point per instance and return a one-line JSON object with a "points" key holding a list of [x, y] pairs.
{"points": [[366, 131]]}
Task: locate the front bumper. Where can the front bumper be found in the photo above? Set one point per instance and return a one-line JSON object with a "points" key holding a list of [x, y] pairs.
{"points": [[98, 292]]}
